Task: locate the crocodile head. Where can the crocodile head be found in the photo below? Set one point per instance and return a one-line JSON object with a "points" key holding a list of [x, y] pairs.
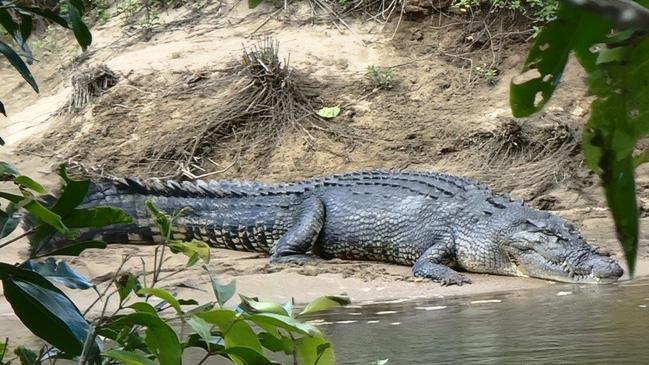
{"points": [[549, 248]]}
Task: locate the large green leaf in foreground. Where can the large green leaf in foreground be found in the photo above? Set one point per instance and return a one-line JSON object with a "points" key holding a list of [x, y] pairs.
{"points": [[44, 309], [617, 63]]}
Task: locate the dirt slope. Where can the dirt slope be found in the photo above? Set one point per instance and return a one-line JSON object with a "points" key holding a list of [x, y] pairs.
{"points": [[441, 114]]}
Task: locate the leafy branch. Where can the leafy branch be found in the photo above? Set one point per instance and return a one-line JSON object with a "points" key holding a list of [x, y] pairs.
{"points": [[611, 42]]}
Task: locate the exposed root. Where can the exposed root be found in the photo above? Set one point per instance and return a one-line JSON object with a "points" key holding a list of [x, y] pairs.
{"points": [[88, 84], [516, 152], [267, 100]]}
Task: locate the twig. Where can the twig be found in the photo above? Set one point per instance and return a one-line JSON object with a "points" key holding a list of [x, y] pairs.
{"points": [[264, 22], [103, 294], [194, 177], [23, 235]]}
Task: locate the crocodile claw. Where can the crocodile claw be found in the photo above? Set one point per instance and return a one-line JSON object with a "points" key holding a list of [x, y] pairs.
{"points": [[294, 259], [456, 279]]}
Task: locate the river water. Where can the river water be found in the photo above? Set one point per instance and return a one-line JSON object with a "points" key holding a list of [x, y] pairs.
{"points": [[562, 324]]}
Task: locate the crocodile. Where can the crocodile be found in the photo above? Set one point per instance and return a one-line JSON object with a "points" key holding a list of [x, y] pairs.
{"points": [[436, 223]]}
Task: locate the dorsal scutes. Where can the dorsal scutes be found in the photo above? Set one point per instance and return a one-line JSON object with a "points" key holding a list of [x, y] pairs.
{"points": [[426, 183]]}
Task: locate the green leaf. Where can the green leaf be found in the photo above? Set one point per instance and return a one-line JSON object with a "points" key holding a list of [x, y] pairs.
{"points": [[619, 119], [164, 295], [3, 350], [162, 220], [81, 32], [616, 54], [79, 5], [74, 191], [194, 249], [272, 320], [160, 339], [201, 327], [315, 350], [247, 356], [7, 22], [47, 14], [254, 3], [572, 30], [44, 309], [329, 112], [25, 28], [126, 284], [8, 170], [288, 307], [251, 305], [9, 220], [96, 217], [128, 357], [47, 216], [26, 356], [222, 292], [187, 302], [143, 307], [28, 183], [324, 303], [235, 331], [18, 64], [214, 346], [59, 272], [19, 200], [76, 248], [276, 344]]}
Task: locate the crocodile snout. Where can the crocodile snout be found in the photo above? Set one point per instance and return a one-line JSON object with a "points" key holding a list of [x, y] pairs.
{"points": [[606, 268]]}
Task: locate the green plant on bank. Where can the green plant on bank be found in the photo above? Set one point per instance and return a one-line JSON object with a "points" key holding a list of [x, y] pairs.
{"points": [[138, 330], [611, 42], [380, 78], [541, 11], [140, 14], [489, 74]]}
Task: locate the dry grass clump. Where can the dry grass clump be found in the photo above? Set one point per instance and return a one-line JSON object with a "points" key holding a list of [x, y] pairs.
{"points": [[88, 84], [266, 99], [517, 151]]}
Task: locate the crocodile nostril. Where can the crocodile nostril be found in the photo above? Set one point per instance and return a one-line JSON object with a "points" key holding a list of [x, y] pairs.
{"points": [[607, 269]]}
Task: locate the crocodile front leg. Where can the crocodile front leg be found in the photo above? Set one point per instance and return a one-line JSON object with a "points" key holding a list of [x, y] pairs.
{"points": [[432, 265], [293, 246]]}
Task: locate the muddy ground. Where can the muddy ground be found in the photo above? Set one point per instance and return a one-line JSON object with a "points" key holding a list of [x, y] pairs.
{"points": [[444, 113]]}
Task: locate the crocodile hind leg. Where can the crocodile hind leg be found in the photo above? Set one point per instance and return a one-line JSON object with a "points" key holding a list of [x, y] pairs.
{"points": [[432, 265], [293, 246]]}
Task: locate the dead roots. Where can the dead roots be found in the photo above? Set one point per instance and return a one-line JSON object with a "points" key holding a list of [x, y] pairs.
{"points": [[516, 152], [266, 100], [88, 84]]}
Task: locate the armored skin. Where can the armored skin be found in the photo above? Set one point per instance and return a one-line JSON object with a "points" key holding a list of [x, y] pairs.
{"points": [[434, 222]]}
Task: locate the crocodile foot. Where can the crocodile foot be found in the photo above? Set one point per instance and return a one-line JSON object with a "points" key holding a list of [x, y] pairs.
{"points": [[454, 278], [439, 273], [295, 259]]}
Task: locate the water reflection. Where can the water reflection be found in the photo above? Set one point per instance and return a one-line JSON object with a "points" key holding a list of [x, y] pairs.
{"points": [[563, 324]]}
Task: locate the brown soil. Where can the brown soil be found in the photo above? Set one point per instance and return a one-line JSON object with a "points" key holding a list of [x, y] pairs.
{"points": [[443, 113]]}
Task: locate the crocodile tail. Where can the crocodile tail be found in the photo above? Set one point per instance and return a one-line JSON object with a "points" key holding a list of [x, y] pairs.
{"points": [[99, 194]]}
